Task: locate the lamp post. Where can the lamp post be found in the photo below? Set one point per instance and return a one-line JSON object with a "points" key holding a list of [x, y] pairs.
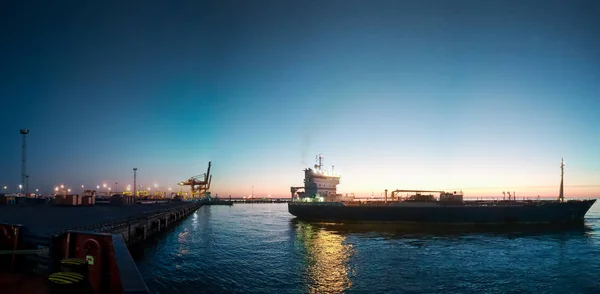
{"points": [[116, 187], [134, 182]]}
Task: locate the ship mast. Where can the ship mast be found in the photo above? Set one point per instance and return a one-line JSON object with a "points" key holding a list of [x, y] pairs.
{"points": [[561, 195], [320, 160]]}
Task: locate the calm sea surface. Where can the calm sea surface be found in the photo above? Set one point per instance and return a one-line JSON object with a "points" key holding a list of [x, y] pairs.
{"points": [[261, 248]]}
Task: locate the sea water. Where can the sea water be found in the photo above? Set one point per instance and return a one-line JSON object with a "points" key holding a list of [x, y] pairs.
{"points": [[261, 248]]}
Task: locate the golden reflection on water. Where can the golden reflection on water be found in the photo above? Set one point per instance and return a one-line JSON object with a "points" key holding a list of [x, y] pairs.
{"points": [[327, 259]]}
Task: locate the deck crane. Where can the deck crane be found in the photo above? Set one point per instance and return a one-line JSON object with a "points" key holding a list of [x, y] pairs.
{"points": [[199, 184]]}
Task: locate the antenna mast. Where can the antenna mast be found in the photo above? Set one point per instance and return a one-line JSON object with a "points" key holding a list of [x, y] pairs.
{"points": [[561, 194], [320, 162]]}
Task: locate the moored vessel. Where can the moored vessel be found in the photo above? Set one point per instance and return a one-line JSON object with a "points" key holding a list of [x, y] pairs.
{"points": [[318, 200]]}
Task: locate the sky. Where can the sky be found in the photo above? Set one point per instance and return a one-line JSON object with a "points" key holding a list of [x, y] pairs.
{"points": [[483, 96]]}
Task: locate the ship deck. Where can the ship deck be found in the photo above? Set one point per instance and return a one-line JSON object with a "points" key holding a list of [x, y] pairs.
{"points": [[49, 219]]}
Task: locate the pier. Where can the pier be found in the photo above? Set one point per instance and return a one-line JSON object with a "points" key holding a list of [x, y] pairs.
{"points": [[56, 232], [48, 220]]}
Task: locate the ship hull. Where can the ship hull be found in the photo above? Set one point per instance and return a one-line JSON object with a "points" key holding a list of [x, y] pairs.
{"points": [[544, 212]]}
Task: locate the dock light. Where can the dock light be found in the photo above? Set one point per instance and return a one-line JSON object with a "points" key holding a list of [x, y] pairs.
{"points": [[169, 188], [69, 190], [98, 187], [56, 189], [62, 186], [5, 187], [20, 187], [128, 189], [148, 188], [108, 188], [155, 186], [81, 186]]}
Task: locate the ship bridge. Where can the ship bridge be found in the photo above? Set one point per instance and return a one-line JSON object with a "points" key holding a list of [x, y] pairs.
{"points": [[319, 184]]}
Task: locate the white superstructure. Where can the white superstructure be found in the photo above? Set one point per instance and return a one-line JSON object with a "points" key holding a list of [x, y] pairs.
{"points": [[320, 185]]}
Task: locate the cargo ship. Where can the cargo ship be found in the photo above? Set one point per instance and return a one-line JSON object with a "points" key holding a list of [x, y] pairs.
{"points": [[318, 200]]}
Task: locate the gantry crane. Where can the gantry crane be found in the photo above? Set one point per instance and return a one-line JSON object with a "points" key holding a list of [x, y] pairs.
{"points": [[199, 184]]}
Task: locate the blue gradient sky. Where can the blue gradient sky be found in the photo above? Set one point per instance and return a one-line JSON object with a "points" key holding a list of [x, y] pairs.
{"points": [[396, 94]]}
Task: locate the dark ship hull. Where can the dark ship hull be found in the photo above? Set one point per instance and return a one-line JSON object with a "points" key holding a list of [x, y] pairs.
{"points": [[468, 212]]}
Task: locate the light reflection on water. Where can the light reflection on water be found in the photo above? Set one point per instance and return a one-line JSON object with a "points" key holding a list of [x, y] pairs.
{"points": [[195, 220], [327, 257], [183, 238]]}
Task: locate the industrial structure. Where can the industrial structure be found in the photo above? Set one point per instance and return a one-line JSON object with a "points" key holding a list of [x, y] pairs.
{"points": [[24, 176], [561, 194], [135, 181], [199, 184]]}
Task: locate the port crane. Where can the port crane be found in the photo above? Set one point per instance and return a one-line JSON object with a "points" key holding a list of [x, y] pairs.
{"points": [[199, 184]]}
